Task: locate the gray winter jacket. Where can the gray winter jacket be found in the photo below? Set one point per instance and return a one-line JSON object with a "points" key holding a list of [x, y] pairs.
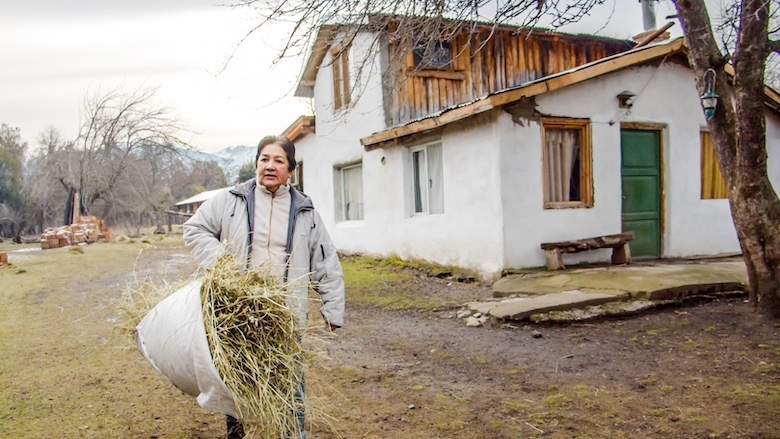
{"points": [[224, 224]]}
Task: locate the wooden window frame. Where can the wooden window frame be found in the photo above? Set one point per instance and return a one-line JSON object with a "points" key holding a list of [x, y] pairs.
{"points": [[296, 178], [341, 80], [586, 162], [717, 190], [425, 66]]}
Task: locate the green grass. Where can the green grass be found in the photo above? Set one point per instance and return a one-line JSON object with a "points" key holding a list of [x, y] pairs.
{"points": [[379, 282], [63, 374]]}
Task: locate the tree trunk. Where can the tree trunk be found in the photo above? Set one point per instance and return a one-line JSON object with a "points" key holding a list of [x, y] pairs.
{"points": [[738, 130]]}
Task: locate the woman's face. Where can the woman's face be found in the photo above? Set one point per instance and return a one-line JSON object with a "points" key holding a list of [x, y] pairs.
{"points": [[272, 167]]}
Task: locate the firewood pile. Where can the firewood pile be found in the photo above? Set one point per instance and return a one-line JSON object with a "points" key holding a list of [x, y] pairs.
{"points": [[86, 229]]}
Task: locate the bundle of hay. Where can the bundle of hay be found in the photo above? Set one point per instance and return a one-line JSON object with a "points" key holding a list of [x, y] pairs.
{"points": [[255, 344]]}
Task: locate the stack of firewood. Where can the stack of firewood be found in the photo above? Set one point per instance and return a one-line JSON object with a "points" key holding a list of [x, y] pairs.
{"points": [[86, 229]]}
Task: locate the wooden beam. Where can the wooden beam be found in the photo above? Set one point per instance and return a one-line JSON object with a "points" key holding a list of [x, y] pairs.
{"points": [[649, 39], [302, 126], [443, 74]]}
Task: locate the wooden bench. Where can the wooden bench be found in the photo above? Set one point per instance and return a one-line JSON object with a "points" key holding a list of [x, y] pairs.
{"points": [[621, 254]]}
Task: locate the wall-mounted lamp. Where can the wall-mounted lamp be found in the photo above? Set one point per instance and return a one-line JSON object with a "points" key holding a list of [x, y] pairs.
{"points": [[709, 100], [625, 99]]}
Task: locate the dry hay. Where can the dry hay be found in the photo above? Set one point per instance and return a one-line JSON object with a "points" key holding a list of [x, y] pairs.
{"points": [[135, 302], [255, 343]]}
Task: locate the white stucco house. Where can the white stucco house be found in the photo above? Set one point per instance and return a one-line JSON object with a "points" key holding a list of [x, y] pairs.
{"points": [[552, 150]]}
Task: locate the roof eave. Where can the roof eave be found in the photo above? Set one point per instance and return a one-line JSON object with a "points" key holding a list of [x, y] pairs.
{"points": [[319, 49], [302, 126], [550, 83]]}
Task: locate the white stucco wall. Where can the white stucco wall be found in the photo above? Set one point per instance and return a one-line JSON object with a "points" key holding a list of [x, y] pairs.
{"points": [[494, 217], [666, 98], [469, 231], [338, 136], [468, 234]]}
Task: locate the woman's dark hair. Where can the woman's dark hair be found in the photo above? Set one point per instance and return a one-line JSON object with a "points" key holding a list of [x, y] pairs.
{"points": [[285, 143]]}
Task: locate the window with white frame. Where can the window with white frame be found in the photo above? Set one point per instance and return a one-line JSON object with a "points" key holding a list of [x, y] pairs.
{"points": [[349, 197], [427, 179]]}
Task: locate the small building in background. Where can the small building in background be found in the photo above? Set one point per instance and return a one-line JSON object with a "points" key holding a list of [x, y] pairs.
{"points": [[191, 204]]}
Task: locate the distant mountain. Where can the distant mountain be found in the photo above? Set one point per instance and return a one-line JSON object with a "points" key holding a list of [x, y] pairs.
{"points": [[230, 159]]}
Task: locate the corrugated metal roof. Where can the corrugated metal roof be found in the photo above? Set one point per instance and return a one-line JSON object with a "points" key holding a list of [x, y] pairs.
{"points": [[201, 197]]}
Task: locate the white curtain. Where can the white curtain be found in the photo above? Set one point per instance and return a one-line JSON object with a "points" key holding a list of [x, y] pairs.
{"points": [[428, 179], [420, 171], [353, 193], [563, 149]]}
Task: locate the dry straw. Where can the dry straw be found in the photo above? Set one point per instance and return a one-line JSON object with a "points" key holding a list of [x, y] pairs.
{"points": [[255, 345]]}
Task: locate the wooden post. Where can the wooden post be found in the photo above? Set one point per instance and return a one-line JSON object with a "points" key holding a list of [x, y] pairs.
{"points": [[554, 259], [621, 255]]}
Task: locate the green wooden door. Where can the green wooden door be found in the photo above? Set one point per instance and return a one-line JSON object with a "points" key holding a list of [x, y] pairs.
{"points": [[640, 152]]}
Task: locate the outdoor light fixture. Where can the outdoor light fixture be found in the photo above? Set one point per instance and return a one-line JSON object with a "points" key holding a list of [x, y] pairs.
{"points": [[626, 99], [709, 100]]}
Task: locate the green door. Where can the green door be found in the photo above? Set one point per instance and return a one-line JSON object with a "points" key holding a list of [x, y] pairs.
{"points": [[640, 159]]}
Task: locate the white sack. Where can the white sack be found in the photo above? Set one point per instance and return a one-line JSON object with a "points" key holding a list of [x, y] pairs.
{"points": [[172, 338]]}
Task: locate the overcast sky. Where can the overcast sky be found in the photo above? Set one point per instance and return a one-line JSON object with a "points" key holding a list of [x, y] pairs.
{"points": [[55, 52]]}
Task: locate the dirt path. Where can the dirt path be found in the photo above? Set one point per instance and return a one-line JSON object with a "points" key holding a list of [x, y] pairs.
{"points": [[709, 370], [400, 371]]}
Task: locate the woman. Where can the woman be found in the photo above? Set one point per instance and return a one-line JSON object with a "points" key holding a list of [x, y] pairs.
{"points": [[267, 222]]}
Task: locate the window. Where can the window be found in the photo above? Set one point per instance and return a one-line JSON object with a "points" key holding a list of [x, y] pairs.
{"points": [[566, 161], [433, 56], [350, 193], [340, 69], [713, 186], [427, 184], [296, 179]]}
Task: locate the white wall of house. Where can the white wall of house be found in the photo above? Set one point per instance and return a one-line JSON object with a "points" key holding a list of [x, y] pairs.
{"points": [[666, 98], [337, 143], [468, 234], [494, 216]]}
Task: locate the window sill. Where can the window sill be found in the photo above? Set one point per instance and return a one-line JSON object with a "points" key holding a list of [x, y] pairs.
{"points": [[570, 205], [457, 75], [425, 215], [351, 223]]}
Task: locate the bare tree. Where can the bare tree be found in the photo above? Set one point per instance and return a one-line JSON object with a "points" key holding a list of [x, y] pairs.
{"points": [[47, 197], [748, 32], [12, 200], [407, 24], [118, 127], [412, 21], [738, 128]]}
